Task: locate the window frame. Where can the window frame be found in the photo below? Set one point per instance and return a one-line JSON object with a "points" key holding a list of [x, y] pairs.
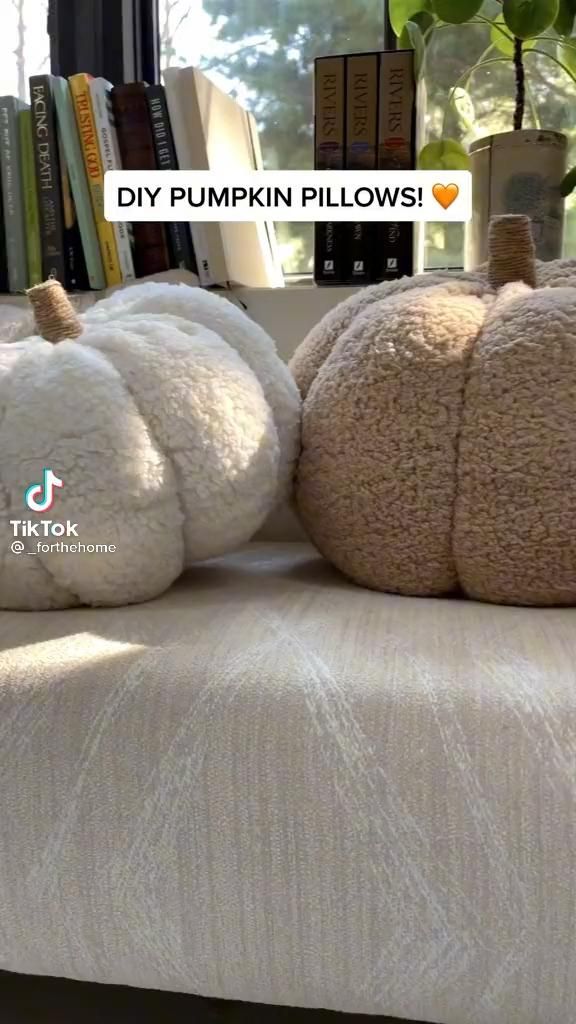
{"points": [[116, 39], [390, 40], [120, 39]]}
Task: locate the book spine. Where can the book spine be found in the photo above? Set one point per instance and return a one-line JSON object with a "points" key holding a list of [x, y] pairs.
{"points": [[106, 133], [30, 194], [179, 238], [10, 166], [73, 161], [80, 89], [269, 247], [47, 164], [3, 255], [329, 140], [137, 154], [361, 155], [396, 152], [201, 233], [76, 273]]}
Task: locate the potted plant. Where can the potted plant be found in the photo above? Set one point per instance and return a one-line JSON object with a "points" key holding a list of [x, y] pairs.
{"points": [[522, 170]]}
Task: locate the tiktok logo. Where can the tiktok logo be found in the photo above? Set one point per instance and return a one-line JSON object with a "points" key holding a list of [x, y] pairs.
{"points": [[40, 497]]}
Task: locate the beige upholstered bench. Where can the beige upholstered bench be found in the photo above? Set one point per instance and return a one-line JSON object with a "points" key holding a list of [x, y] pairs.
{"points": [[270, 785]]}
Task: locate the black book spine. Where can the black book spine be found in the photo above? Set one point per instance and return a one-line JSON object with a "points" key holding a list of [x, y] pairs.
{"points": [[47, 164], [3, 255], [179, 237], [396, 152], [361, 155], [76, 272], [329, 140]]}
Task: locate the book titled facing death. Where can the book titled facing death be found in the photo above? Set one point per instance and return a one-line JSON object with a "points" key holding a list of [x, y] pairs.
{"points": [[62, 252]]}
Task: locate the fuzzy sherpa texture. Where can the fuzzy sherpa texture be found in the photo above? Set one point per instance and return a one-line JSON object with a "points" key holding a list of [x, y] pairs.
{"points": [[174, 426], [439, 437]]}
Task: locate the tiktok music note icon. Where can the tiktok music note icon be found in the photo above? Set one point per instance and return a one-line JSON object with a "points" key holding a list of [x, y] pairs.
{"points": [[40, 497]]}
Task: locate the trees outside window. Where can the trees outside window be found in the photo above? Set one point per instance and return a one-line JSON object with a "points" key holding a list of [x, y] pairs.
{"points": [[263, 52], [24, 45]]}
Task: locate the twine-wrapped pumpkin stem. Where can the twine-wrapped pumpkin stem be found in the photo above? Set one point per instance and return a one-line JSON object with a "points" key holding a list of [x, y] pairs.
{"points": [[55, 316], [511, 251]]}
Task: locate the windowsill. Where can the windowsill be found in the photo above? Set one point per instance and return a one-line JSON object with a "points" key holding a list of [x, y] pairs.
{"points": [[307, 280], [275, 309], [291, 281], [286, 316]]}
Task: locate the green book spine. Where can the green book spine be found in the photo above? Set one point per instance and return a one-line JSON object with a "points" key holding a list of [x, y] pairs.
{"points": [[30, 194], [68, 130], [12, 197]]}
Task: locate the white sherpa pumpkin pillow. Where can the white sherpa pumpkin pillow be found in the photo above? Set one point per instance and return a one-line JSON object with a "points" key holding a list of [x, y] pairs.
{"points": [[172, 425]]}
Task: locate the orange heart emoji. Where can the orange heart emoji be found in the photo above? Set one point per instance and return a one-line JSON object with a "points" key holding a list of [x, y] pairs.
{"points": [[445, 194]]}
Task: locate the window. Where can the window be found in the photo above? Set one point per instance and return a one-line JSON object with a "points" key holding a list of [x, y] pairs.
{"points": [[487, 108], [262, 52], [24, 45]]}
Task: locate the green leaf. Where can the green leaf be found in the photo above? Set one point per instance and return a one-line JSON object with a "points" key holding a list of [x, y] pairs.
{"points": [[456, 12], [565, 21], [503, 40], [412, 39], [569, 183], [528, 18], [464, 106], [568, 54], [425, 21], [401, 11], [446, 155]]}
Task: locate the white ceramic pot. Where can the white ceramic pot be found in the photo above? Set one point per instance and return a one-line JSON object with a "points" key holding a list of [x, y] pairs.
{"points": [[518, 172]]}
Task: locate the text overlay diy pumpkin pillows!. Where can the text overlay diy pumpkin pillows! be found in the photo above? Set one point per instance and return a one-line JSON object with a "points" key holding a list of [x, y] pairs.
{"points": [[172, 424], [439, 431]]}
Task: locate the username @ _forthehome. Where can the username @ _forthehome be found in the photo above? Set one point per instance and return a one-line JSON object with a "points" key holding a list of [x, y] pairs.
{"points": [[40, 497]]}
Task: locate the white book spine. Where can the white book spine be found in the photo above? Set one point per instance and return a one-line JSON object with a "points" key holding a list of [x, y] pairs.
{"points": [[110, 155], [178, 123]]}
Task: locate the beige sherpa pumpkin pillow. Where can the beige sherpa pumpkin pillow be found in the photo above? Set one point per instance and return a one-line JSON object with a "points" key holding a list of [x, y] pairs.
{"points": [[439, 431]]}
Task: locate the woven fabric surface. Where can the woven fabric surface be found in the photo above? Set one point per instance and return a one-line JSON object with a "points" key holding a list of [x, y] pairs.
{"points": [[270, 785]]}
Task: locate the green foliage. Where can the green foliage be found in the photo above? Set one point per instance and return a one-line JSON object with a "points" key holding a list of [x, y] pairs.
{"points": [[464, 106], [268, 50], [569, 183], [565, 21], [529, 18], [402, 11], [525, 20], [567, 53], [445, 155], [502, 38], [456, 12], [413, 39], [425, 20]]}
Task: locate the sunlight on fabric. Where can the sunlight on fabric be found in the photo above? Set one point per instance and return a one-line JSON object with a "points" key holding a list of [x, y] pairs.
{"points": [[54, 659]]}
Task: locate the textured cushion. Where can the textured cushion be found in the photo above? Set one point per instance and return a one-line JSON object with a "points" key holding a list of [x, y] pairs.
{"points": [[439, 434], [271, 785], [178, 450]]}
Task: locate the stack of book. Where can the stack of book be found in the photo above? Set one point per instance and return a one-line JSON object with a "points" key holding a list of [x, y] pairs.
{"points": [[364, 119], [53, 157]]}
